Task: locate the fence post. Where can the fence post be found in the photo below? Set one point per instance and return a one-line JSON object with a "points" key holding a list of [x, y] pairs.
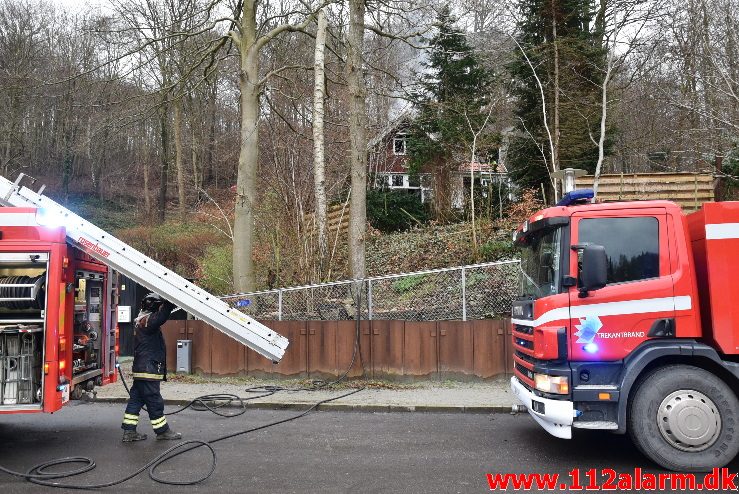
{"points": [[464, 295], [369, 300], [279, 305]]}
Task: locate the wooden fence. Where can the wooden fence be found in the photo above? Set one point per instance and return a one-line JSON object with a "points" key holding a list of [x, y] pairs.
{"points": [[389, 349], [337, 218], [689, 190]]}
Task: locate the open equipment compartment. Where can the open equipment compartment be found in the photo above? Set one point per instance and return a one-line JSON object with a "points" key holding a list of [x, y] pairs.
{"points": [[23, 278], [89, 348]]}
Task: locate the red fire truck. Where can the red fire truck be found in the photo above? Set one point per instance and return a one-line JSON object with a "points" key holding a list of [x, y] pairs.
{"points": [[627, 322], [57, 316]]}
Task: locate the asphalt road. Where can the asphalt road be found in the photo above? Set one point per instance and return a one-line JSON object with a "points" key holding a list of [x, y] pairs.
{"points": [[326, 452]]}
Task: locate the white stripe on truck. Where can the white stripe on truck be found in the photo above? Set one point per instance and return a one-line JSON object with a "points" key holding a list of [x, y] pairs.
{"points": [[643, 306], [18, 219], [718, 231]]}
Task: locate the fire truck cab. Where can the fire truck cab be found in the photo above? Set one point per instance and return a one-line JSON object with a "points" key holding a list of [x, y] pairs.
{"points": [[628, 321], [58, 332]]}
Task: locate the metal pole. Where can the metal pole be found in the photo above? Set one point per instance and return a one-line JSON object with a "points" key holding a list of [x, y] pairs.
{"points": [[464, 295], [369, 300], [279, 305]]}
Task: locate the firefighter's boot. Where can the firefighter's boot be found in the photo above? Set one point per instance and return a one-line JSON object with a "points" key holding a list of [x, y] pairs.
{"points": [[170, 435], [131, 436]]}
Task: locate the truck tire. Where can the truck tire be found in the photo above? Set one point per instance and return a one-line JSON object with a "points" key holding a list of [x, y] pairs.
{"points": [[685, 419]]}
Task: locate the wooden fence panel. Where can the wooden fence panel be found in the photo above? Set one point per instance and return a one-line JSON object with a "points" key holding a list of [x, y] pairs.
{"points": [[201, 335], [173, 331], [387, 341], [689, 190], [456, 356], [322, 348], [489, 358], [227, 355], [295, 360], [508, 345], [346, 335], [420, 349]]}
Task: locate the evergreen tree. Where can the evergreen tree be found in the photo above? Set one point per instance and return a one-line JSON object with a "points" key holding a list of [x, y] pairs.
{"points": [[451, 104], [577, 103]]}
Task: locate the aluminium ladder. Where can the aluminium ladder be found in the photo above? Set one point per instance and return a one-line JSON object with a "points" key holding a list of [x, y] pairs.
{"points": [[125, 259]]}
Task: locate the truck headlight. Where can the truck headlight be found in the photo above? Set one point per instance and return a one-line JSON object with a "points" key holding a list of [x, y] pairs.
{"points": [[552, 384]]}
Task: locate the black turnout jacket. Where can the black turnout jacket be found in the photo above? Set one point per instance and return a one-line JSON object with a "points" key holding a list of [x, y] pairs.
{"points": [[149, 351]]}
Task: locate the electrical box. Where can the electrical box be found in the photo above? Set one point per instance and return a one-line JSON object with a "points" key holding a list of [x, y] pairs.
{"points": [[124, 313], [184, 356]]}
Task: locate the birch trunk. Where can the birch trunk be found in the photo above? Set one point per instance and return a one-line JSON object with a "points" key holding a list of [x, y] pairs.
{"points": [[319, 171], [603, 115], [357, 139]]}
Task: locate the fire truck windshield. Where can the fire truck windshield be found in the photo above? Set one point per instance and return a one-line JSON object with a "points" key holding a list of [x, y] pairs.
{"points": [[540, 263]]}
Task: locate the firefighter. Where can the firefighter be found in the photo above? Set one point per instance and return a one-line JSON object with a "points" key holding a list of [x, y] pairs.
{"points": [[149, 370]]}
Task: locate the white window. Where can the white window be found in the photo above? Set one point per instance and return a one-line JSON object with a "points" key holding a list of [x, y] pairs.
{"points": [[397, 180], [399, 144]]}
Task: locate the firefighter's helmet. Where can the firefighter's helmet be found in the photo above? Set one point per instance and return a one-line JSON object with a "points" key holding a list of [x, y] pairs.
{"points": [[152, 302]]}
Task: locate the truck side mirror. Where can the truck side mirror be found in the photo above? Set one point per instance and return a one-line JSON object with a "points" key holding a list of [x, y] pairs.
{"points": [[594, 272]]}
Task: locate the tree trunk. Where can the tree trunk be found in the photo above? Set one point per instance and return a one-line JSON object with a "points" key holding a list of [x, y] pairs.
{"points": [[319, 171], [179, 166], [357, 139], [246, 181], [211, 144], [147, 197], [197, 172], [163, 176]]}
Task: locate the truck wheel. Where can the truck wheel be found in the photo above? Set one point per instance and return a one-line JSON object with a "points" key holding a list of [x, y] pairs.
{"points": [[76, 393], [684, 418]]}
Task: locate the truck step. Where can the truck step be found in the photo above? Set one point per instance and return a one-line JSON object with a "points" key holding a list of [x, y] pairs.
{"points": [[596, 424]]}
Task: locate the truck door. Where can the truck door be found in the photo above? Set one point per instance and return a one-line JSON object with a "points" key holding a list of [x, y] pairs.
{"points": [[607, 324]]}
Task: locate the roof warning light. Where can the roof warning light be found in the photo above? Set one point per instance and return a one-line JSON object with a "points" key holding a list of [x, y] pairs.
{"points": [[578, 196]]}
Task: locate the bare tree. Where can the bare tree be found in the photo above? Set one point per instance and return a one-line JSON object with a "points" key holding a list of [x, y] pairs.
{"points": [[475, 133], [251, 38], [358, 138], [319, 165]]}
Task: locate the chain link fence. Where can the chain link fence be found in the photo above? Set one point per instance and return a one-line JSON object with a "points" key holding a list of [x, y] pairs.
{"points": [[477, 291]]}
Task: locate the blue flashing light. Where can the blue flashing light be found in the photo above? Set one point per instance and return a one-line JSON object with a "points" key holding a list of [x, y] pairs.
{"points": [[576, 196], [591, 347], [49, 218]]}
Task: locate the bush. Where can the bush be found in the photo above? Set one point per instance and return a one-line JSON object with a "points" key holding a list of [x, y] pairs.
{"points": [[392, 211], [491, 200], [177, 245], [408, 283], [216, 269], [496, 250]]}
